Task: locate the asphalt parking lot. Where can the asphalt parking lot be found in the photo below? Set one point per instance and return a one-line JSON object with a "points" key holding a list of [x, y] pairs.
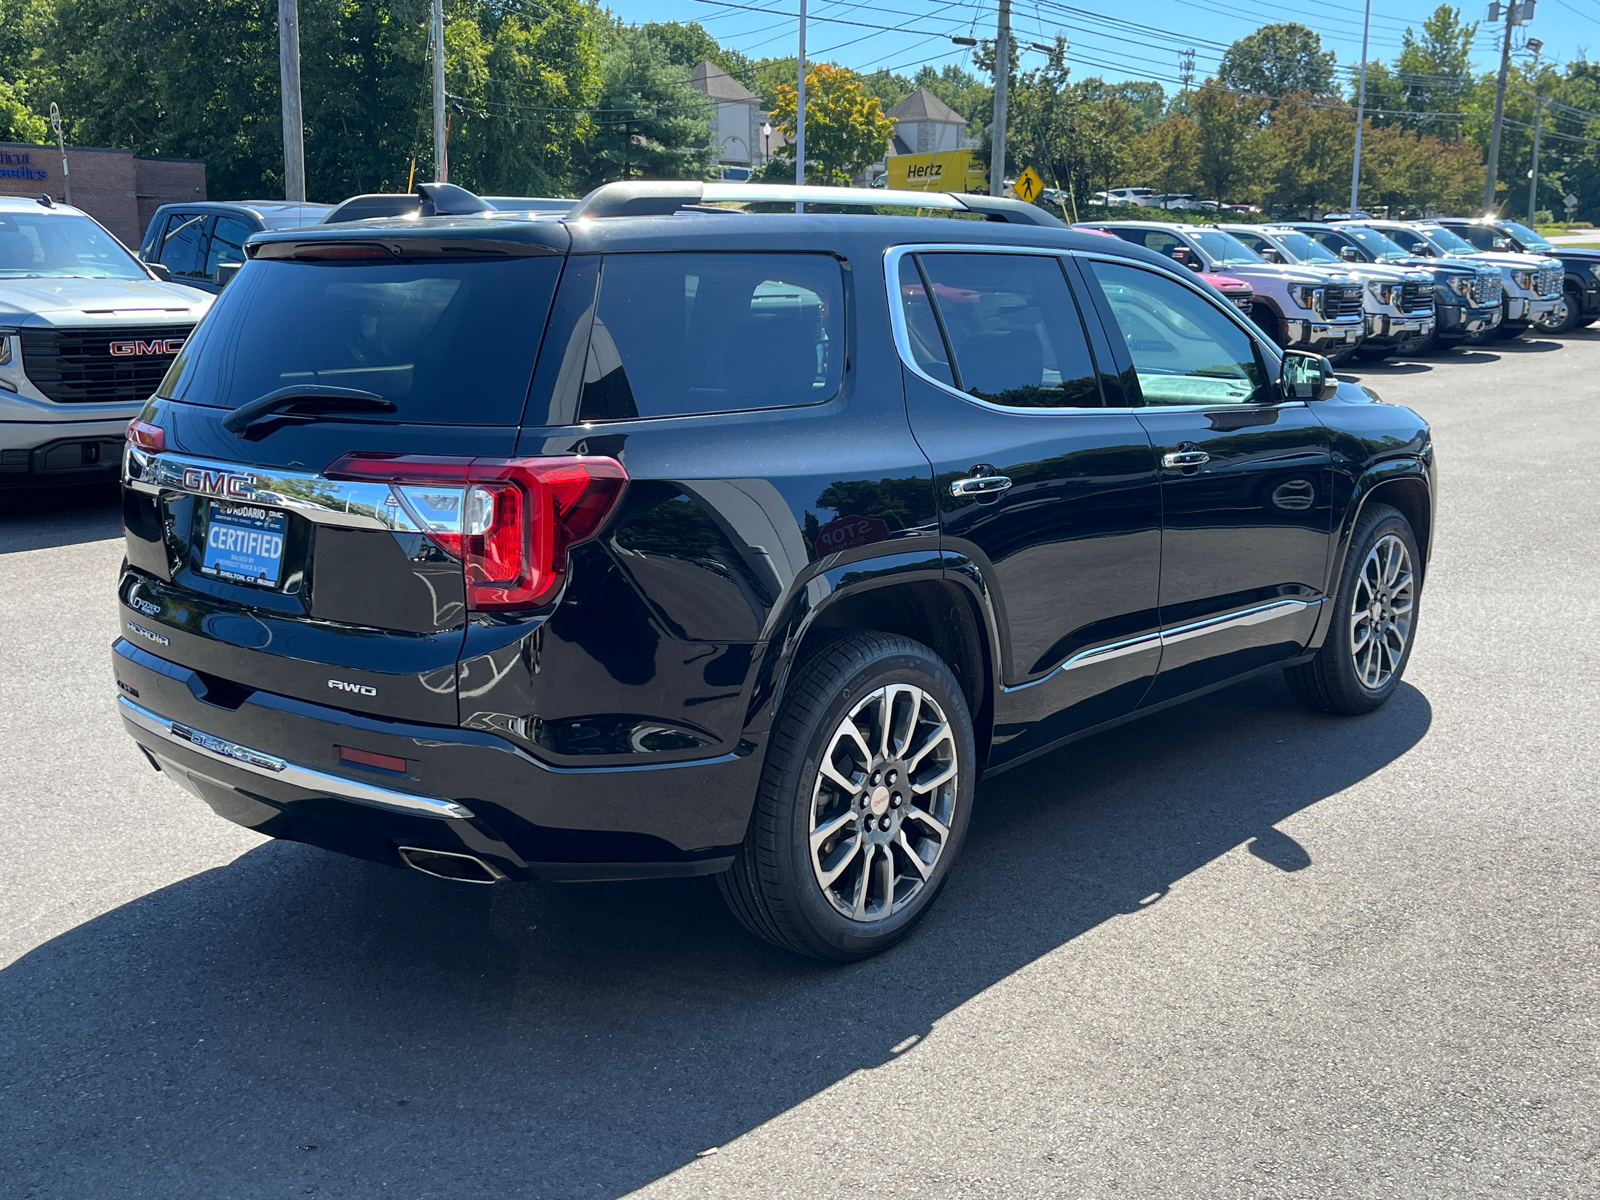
{"points": [[1238, 950]]}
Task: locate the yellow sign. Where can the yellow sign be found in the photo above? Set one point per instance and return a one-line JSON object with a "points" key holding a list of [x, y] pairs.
{"points": [[950, 171], [1028, 185]]}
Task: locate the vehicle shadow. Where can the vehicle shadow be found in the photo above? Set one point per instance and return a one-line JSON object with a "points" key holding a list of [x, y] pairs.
{"points": [[36, 518], [298, 1021]]}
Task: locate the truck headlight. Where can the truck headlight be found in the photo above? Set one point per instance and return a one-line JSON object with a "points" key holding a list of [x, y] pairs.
{"points": [[1523, 279], [1383, 291], [1461, 285], [1308, 296]]}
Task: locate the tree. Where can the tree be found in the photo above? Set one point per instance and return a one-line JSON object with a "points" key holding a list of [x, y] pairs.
{"points": [[1276, 60], [846, 130], [650, 123], [1312, 145], [1225, 122], [687, 44], [1167, 154]]}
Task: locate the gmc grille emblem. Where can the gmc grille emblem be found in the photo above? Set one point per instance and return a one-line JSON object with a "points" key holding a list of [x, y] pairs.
{"points": [[227, 484], [159, 346]]}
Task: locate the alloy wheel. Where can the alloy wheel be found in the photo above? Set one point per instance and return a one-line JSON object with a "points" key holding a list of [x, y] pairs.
{"points": [[882, 802], [1381, 612], [1556, 319]]}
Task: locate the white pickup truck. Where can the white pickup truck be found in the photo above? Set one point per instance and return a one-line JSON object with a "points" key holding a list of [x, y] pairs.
{"points": [[86, 333]]}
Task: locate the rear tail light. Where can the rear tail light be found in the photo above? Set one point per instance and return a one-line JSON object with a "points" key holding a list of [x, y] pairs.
{"points": [[516, 519], [147, 437]]}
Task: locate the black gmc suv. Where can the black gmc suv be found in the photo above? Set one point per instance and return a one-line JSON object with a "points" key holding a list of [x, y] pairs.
{"points": [[671, 537]]}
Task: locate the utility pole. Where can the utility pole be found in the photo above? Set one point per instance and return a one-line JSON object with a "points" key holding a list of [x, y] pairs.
{"points": [[1002, 83], [1186, 68], [1517, 12], [441, 151], [294, 136], [800, 114], [1361, 111], [61, 145], [1533, 175]]}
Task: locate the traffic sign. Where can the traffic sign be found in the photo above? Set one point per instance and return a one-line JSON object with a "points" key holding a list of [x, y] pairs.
{"points": [[1028, 185], [1571, 201]]}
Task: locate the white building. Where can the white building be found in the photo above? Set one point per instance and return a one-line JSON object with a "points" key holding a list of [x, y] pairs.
{"points": [[925, 124], [735, 121]]}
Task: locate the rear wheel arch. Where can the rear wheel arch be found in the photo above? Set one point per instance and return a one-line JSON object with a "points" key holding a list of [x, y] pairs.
{"points": [[937, 613]]}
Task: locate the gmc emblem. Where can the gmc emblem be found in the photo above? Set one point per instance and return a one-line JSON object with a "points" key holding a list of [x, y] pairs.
{"points": [[159, 346], [227, 484]]}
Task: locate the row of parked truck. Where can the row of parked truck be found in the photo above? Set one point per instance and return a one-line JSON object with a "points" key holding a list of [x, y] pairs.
{"points": [[1366, 288], [88, 328]]}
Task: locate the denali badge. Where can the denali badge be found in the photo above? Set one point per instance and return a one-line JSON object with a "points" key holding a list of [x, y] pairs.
{"points": [[230, 484], [159, 346], [148, 636], [359, 689]]}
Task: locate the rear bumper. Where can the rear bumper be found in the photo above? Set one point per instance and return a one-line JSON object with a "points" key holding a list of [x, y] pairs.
{"points": [[271, 763]]}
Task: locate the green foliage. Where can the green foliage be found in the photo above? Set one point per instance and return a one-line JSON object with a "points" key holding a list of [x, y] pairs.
{"points": [[1079, 137], [846, 130], [1276, 60], [687, 44], [650, 124]]}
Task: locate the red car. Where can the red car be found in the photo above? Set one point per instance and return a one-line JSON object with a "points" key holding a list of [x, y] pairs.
{"points": [[1238, 292]]}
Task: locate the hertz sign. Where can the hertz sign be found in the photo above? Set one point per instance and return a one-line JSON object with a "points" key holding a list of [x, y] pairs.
{"points": [[950, 171]]}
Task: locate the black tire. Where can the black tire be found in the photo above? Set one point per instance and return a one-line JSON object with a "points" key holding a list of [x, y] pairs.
{"points": [[772, 887], [1339, 358], [1331, 681], [1585, 322], [1374, 354], [1570, 314], [1432, 344]]}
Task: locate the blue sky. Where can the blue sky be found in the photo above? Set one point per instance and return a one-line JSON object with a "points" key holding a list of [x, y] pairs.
{"points": [[1566, 27]]}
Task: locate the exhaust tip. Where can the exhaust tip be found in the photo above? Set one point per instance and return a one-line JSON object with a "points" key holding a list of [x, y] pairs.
{"points": [[445, 864]]}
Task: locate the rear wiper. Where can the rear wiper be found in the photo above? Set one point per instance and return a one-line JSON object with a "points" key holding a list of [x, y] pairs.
{"points": [[307, 401]]}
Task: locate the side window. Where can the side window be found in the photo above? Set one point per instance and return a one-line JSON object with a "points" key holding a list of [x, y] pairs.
{"points": [[1254, 240], [1185, 350], [227, 243], [1408, 240], [1161, 241], [183, 245], [1333, 241], [922, 327], [1014, 329], [676, 334], [1481, 238]]}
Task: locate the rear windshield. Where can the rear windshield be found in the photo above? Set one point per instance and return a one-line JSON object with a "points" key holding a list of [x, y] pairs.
{"points": [[446, 342]]}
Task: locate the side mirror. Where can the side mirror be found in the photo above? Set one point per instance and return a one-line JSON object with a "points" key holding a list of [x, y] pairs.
{"points": [[223, 273], [1349, 254], [1271, 255], [1307, 376], [159, 271]]}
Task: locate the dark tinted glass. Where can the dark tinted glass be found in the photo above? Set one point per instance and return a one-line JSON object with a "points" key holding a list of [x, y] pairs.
{"points": [[922, 328], [446, 342], [1185, 350], [1015, 329], [183, 247], [227, 243], [698, 333], [43, 243]]}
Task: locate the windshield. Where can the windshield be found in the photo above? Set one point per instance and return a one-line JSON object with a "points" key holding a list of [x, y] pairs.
{"points": [[1224, 249], [1529, 239], [447, 342], [1305, 249], [1374, 243], [1446, 241], [61, 246]]}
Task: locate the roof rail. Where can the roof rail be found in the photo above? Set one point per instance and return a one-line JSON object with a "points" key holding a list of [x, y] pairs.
{"points": [[663, 198]]}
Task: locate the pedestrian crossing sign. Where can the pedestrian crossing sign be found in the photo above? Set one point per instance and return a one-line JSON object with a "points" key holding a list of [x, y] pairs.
{"points": [[1028, 185]]}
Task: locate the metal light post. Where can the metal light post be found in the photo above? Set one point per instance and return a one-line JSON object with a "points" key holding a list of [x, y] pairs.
{"points": [[1002, 82], [1518, 12], [800, 114], [766, 142], [294, 138], [1533, 175], [61, 145], [1361, 111], [441, 151]]}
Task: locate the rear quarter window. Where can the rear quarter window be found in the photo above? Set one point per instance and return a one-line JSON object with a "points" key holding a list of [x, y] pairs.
{"points": [[683, 333], [447, 342]]}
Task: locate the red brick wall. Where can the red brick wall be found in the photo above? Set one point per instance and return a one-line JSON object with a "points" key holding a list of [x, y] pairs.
{"points": [[113, 186]]}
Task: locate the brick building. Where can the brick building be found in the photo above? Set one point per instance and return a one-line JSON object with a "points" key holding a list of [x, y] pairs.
{"points": [[119, 188]]}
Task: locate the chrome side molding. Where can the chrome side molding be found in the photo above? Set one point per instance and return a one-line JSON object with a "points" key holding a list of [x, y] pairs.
{"points": [[272, 767], [1255, 615]]}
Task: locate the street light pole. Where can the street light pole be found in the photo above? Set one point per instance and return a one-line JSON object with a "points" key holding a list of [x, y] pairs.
{"points": [[441, 151], [1533, 176], [1361, 112], [294, 138], [61, 145], [800, 114], [1002, 82]]}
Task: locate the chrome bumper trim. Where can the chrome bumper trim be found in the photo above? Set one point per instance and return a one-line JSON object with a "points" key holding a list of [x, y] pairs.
{"points": [[272, 767]]}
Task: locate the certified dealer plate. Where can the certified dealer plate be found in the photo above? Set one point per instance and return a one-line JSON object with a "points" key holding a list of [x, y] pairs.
{"points": [[244, 543]]}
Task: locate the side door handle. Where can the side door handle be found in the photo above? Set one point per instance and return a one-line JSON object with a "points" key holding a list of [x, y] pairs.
{"points": [[1185, 458], [980, 485]]}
